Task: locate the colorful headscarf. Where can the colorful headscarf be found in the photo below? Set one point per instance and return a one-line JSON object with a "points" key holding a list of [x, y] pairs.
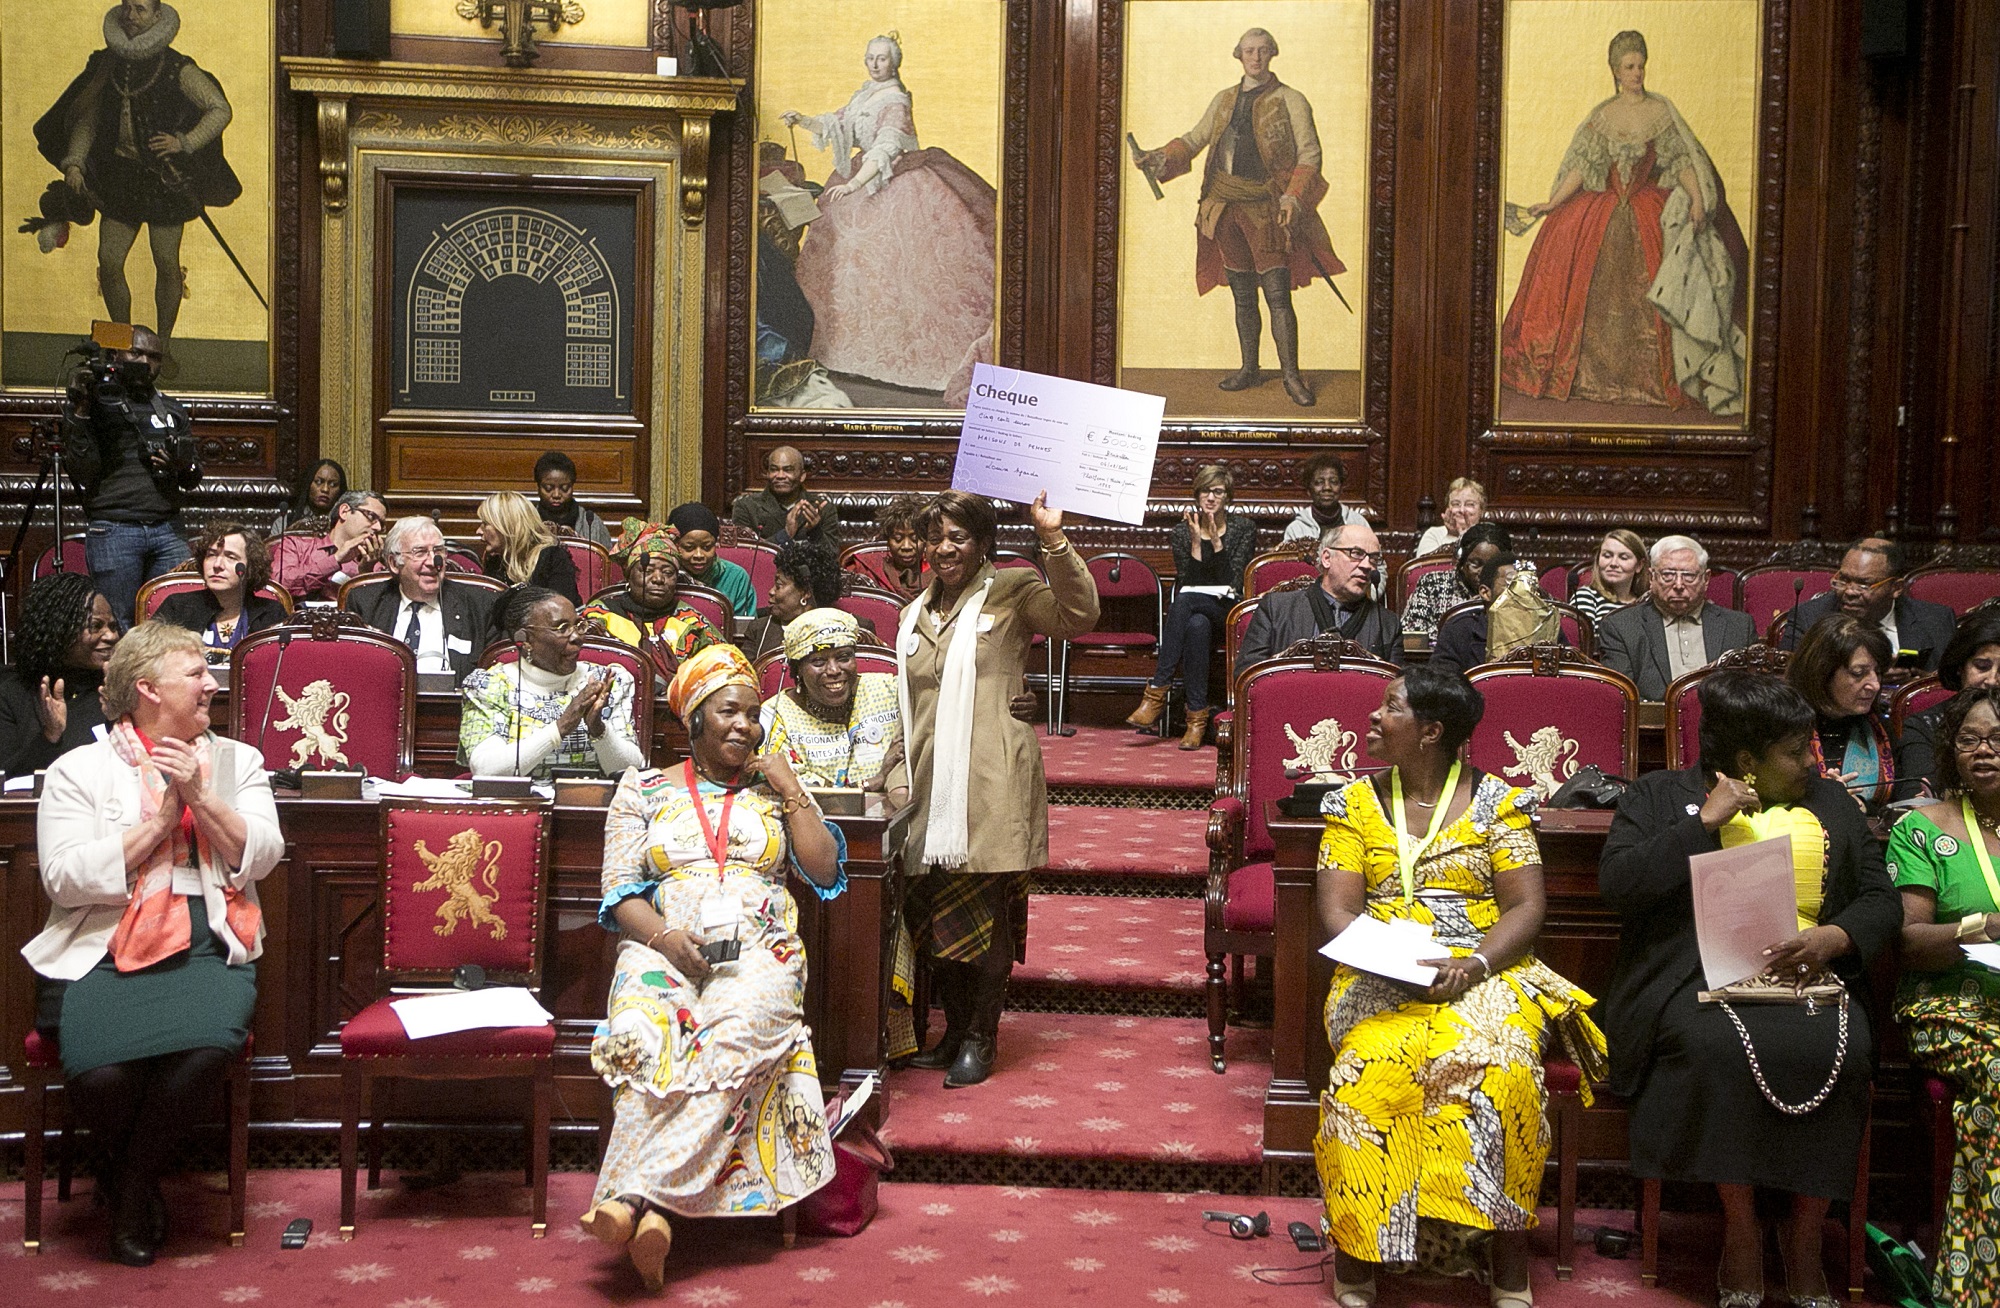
{"points": [[818, 629], [704, 674], [638, 538]]}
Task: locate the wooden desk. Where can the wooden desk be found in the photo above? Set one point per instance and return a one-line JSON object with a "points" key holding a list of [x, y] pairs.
{"points": [[323, 942]]}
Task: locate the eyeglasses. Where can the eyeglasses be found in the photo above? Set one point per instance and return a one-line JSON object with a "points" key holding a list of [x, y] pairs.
{"points": [[1841, 581], [1356, 554], [424, 553], [1970, 744], [566, 630], [1680, 576], [374, 518]]}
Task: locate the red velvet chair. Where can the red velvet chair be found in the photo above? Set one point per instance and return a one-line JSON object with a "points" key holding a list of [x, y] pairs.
{"points": [[465, 557], [462, 882], [1302, 710], [1560, 582], [1770, 590], [73, 560], [155, 592], [1959, 589], [1550, 712], [774, 673], [1724, 587], [1274, 567], [332, 694], [594, 568], [602, 652], [712, 604], [1411, 571], [42, 1068], [1237, 625], [1133, 603], [1918, 696], [877, 606], [1935, 1104], [752, 553], [1683, 701]]}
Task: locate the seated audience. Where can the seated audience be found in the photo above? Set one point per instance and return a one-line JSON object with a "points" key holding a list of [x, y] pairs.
{"points": [[235, 564], [700, 535], [1427, 1081], [785, 510], [1617, 576], [152, 841], [1437, 593], [649, 616], [1350, 561], [1212, 548], [446, 623], [684, 847], [1677, 630], [900, 569], [1838, 668], [1869, 587], [805, 577], [1325, 478], [310, 510], [315, 567], [1942, 857], [556, 501], [520, 549], [48, 701], [1970, 662], [1462, 642], [546, 709], [1751, 1097], [1464, 505]]}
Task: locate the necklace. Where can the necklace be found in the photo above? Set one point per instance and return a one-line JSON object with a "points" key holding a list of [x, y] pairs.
{"points": [[1990, 823]]}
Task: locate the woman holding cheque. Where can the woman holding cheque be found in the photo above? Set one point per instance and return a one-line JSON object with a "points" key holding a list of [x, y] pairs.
{"points": [[1435, 1114], [1770, 1096]]}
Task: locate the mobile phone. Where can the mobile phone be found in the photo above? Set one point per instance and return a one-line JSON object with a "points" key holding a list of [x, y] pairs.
{"points": [[1305, 1237], [295, 1233]]}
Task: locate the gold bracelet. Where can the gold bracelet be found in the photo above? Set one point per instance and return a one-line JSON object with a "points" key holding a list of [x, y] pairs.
{"points": [[1972, 930], [797, 803], [1056, 551], [655, 936]]}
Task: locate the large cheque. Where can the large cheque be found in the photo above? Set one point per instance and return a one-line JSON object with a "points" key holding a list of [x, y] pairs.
{"points": [[1090, 447]]}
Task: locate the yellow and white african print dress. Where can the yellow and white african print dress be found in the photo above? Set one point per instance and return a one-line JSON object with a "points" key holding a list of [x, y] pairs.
{"points": [[1435, 1112], [716, 1099]]}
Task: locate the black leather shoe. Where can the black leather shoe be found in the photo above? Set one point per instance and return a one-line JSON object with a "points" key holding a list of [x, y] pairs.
{"points": [[940, 1055], [973, 1064], [156, 1217]]}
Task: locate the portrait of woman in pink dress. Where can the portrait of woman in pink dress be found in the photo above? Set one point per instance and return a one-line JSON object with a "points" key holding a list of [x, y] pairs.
{"points": [[899, 266], [1634, 290]]}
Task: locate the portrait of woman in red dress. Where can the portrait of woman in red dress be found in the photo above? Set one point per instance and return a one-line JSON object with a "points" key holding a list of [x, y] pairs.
{"points": [[1634, 292]]}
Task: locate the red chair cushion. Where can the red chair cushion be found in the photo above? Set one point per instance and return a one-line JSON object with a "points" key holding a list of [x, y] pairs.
{"points": [[1253, 899], [376, 1032], [1120, 639], [491, 858], [1561, 1076], [43, 1051], [1937, 1090], [1588, 718]]}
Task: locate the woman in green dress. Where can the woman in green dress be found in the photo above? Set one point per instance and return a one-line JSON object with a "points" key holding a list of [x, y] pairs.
{"points": [[1942, 857]]}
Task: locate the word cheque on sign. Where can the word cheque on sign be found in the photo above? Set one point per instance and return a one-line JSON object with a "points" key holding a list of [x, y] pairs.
{"points": [[1090, 447]]}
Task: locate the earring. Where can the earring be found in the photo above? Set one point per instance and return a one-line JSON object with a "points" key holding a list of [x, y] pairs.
{"points": [[1750, 779]]}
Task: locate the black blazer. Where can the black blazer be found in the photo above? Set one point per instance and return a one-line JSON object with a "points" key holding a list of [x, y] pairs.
{"points": [[1916, 751], [1287, 616], [1921, 626], [23, 747], [196, 609], [468, 617], [1633, 641], [1644, 876], [554, 571]]}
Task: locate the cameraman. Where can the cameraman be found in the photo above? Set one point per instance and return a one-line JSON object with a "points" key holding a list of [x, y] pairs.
{"points": [[132, 452]]}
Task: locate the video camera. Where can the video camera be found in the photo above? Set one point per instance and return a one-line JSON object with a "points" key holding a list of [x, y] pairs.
{"points": [[99, 373]]}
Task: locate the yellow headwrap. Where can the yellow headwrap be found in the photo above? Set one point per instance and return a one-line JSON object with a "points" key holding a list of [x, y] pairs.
{"points": [[818, 629], [704, 674], [1808, 850]]}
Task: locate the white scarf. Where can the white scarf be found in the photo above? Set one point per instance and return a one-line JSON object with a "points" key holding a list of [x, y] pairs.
{"points": [[947, 842]]}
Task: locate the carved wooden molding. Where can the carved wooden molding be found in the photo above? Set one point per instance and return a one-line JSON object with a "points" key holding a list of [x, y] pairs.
{"points": [[333, 154], [694, 170]]}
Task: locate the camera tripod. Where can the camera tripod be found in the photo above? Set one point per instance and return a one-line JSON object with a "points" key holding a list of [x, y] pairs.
{"points": [[44, 432]]}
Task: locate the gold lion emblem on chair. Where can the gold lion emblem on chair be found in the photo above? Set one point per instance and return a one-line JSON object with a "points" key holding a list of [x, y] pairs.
{"points": [[466, 864], [1327, 750], [1547, 760], [308, 716]]}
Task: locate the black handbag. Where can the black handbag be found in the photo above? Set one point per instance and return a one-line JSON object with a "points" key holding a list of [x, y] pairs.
{"points": [[1589, 788]]}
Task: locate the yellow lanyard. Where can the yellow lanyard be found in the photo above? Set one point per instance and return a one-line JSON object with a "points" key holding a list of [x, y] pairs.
{"points": [[1407, 854], [1977, 839]]}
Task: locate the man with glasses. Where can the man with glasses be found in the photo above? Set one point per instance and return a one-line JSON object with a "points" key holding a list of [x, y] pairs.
{"points": [[314, 567], [445, 622], [1869, 589], [1676, 630], [1350, 565]]}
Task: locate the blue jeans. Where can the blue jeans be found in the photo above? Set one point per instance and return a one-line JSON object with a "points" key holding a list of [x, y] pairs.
{"points": [[1193, 623], [124, 556]]}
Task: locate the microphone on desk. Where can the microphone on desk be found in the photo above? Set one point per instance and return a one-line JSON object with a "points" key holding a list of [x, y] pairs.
{"points": [[520, 674], [1792, 622], [1117, 570], [289, 775]]}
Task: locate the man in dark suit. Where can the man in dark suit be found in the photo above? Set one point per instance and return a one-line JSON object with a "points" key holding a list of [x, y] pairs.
{"points": [[1869, 589], [445, 622], [1350, 565], [1676, 630]]}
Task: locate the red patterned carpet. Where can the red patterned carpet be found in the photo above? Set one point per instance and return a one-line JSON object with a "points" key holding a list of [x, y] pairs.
{"points": [[1128, 841], [467, 1246], [1103, 942], [1106, 756]]}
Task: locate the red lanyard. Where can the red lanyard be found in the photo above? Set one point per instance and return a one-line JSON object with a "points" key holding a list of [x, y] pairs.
{"points": [[717, 836]]}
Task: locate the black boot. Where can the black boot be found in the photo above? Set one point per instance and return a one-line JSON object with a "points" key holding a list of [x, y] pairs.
{"points": [[1249, 332], [1285, 334], [949, 980], [133, 1222], [982, 1040]]}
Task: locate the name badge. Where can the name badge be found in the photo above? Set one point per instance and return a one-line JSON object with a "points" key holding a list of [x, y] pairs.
{"points": [[985, 622], [909, 643], [719, 913], [458, 645]]}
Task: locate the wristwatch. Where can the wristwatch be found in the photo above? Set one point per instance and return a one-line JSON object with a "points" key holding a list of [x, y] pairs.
{"points": [[1972, 930]]}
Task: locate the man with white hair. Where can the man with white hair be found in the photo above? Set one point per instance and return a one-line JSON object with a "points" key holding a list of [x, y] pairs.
{"points": [[1676, 630], [443, 621]]}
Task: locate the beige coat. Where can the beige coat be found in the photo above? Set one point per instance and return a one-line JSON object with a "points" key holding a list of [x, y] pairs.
{"points": [[1007, 818]]}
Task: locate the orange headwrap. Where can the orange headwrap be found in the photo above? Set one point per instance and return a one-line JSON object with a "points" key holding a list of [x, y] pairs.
{"points": [[704, 674]]}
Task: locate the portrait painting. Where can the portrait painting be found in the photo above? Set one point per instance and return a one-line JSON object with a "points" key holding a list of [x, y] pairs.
{"points": [[1628, 183], [136, 177], [1244, 197], [878, 222]]}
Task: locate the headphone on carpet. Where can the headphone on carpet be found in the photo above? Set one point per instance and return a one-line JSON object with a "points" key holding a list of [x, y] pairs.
{"points": [[1241, 1226]]}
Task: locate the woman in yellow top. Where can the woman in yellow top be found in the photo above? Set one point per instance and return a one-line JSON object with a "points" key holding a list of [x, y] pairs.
{"points": [[1434, 1116]]}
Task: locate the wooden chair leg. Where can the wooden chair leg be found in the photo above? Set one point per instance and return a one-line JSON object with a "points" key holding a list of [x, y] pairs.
{"points": [[788, 1226], [353, 1087], [379, 1091], [538, 1150], [1649, 1231], [65, 1150], [1218, 1010], [236, 1103], [1569, 1127], [36, 1121], [1857, 1217]]}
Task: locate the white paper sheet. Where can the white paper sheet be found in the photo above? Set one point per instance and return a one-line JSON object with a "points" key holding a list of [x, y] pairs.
{"points": [[1090, 447], [416, 788], [1984, 955], [469, 1010], [1745, 901], [850, 1107], [1389, 949]]}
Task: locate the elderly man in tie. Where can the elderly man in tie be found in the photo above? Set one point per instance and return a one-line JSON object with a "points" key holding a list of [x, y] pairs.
{"points": [[444, 622], [1676, 630]]}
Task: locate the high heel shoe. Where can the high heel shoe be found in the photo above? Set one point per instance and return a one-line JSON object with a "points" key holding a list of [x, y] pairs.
{"points": [[648, 1249], [1795, 1299], [1353, 1294], [611, 1221], [1727, 1298]]}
